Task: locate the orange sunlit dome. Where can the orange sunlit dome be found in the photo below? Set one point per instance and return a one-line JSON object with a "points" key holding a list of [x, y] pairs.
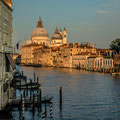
{"points": [[9, 2]]}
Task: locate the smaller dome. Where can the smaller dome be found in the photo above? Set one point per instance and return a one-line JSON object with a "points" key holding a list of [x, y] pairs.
{"points": [[56, 35]]}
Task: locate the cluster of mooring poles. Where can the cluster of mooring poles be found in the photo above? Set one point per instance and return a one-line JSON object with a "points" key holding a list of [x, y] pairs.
{"points": [[28, 97]]}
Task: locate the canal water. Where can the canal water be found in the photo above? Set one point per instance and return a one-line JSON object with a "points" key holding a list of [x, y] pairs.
{"points": [[86, 95]]}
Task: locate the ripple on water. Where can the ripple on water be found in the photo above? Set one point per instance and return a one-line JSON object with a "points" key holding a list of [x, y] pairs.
{"points": [[86, 95]]}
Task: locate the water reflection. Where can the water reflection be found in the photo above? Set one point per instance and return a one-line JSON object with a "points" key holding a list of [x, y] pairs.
{"points": [[7, 116], [86, 95]]}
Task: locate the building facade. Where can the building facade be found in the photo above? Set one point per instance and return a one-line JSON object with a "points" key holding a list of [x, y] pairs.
{"points": [[99, 63], [117, 63], [60, 53], [79, 60], [38, 38], [27, 51], [7, 65], [42, 56]]}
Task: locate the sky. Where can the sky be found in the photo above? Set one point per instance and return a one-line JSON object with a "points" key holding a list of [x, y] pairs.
{"points": [[94, 21]]}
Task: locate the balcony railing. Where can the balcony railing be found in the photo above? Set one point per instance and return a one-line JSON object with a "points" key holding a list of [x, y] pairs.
{"points": [[6, 49]]}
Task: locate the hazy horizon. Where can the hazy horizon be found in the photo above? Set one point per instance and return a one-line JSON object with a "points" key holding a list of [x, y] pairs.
{"points": [[94, 21]]}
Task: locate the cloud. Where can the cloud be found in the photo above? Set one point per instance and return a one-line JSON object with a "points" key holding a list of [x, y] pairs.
{"points": [[102, 12]]}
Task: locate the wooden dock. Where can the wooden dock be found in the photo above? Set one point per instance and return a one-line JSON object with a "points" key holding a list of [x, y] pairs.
{"points": [[30, 92], [29, 102]]}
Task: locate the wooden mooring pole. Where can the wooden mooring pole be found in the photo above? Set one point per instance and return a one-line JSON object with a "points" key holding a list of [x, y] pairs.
{"points": [[33, 104], [31, 90], [60, 92], [40, 100], [45, 107], [34, 77], [22, 73], [51, 111], [37, 82], [20, 81], [23, 102], [24, 94]]}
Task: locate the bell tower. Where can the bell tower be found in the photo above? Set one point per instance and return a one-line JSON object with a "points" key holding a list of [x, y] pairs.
{"points": [[64, 36]]}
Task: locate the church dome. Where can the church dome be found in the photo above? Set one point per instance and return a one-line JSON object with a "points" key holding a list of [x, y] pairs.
{"points": [[40, 31], [56, 35]]}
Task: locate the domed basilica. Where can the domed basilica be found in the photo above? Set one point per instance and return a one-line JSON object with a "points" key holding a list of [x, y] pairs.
{"points": [[40, 36]]}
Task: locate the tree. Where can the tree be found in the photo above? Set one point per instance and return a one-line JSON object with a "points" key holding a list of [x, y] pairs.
{"points": [[115, 45]]}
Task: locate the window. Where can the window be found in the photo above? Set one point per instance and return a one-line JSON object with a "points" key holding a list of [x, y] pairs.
{"points": [[0, 9], [111, 62], [7, 64]]}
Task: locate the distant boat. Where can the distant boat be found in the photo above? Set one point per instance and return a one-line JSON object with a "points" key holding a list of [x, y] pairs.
{"points": [[32, 65], [36, 65], [116, 74]]}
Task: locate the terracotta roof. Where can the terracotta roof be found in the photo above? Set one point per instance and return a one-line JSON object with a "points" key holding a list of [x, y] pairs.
{"points": [[68, 47], [83, 53], [92, 56], [55, 49], [102, 50], [31, 44]]}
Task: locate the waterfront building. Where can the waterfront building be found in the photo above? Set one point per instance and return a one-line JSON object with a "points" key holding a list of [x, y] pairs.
{"points": [[64, 56], [108, 64], [99, 63], [79, 60], [42, 56], [27, 51], [55, 56], [38, 37], [105, 52], [60, 53], [71, 49], [7, 65], [117, 63]]}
